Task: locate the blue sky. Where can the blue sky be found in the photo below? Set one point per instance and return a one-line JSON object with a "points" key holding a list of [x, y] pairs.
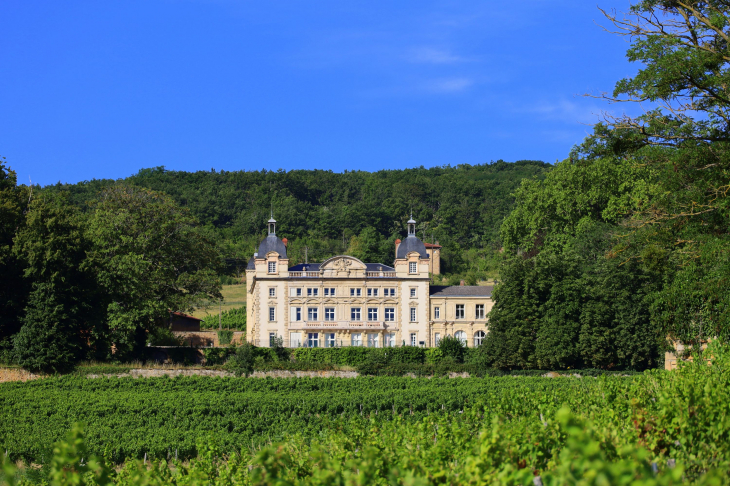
{"points": [[100, 89]]}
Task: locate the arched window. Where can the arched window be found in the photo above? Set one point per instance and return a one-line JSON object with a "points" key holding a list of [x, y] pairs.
{"points": [[479, 337], [461, 336]]}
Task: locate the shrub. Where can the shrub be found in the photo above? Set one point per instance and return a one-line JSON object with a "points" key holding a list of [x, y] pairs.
{"points": [[162, 336], [242, 363], [225, 337], [453, 348]]}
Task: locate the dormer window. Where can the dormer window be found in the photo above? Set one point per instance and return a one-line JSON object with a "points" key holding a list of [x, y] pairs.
{"points": [[412, 267], [272, 267]]}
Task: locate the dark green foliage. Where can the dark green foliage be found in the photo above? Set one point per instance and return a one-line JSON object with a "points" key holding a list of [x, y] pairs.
{"points": [[462, 207], [452, 349], [49, 340], [162, 336], [225, 337], [242, 363], [358, 356]]}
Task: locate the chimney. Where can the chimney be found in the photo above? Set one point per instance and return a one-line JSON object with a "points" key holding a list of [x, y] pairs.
{"points": [[462, 283], [285, 241], [397, 244]]}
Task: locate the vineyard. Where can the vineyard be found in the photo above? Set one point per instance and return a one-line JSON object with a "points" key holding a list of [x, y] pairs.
{"points": [[659, 427]]}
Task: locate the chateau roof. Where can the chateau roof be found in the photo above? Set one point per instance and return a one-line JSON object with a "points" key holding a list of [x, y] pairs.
{"points": [[272, 243], [411, 243], [314, 267], [461, 290]]}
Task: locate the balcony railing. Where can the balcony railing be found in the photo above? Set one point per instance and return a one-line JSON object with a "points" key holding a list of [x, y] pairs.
{"points": [[344, 325], [367, 274]]}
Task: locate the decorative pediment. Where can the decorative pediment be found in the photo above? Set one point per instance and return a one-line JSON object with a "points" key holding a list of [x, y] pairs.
{"points": [[341, 266]]}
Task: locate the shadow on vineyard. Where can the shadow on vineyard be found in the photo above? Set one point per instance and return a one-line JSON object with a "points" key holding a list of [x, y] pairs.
{"points": [[658, 427]]}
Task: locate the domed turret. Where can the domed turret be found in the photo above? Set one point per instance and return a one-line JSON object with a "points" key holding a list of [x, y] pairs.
{"points": [[411, 243], [272, 242]]}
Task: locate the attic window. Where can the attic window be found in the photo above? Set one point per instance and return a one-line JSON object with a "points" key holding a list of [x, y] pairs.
{"points": [[272, 267], [412, 267]]}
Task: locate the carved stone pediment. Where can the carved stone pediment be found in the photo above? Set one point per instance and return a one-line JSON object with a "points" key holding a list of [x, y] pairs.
{"points": [[341, 266]]}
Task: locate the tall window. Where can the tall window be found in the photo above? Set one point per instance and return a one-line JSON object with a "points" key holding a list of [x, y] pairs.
{"points": [[272, 339], [412, 267], [354, 313], [329, 313], [413, 292], [461, 336], [437, 313], [479, 338], [312, 292], [480, 311], [413, 338], [313, 340], [329, 340], [297, 292], [272, 313], [356, 339], [355, 292], [372, 313], [390, 314], [389, 340], [329, 292], [312, 314], [436, 338], [372, 340], [413, 314], [272, 291], [272, 267], [459, 311], [297, 314], [372, 292]]}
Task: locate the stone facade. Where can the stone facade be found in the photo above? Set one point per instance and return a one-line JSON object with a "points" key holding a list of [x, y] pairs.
{"points": [[346, 302]]}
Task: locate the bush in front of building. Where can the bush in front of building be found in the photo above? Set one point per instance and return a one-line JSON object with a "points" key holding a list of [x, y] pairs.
{"points": [[359, 356]]}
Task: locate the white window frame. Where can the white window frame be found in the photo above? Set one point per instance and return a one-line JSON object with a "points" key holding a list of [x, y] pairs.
{"points": [[436, 338], [414, 292], [297, 314], [459, 312], [414, 339], [329, 292], [479, 311], [355, 292], [479, 337], [390, 292], [329, 313], [272, 314], [356, 339], [389, 340], [390, 314], [298, 292], [355, 314], [412, 267], [313, 314], [272, 291], [372, 314], [272, 339], [461, 336], [329, 340], [437, 312], [312, 339], [373, 292], [413, 314], [272, 267], [373, 339], [312, 292]]}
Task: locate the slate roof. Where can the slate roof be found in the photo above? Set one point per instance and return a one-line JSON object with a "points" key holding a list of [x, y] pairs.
{"points": [[251, 264], [272, 243], [461, 290], [412, 243], [314, 267]]}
